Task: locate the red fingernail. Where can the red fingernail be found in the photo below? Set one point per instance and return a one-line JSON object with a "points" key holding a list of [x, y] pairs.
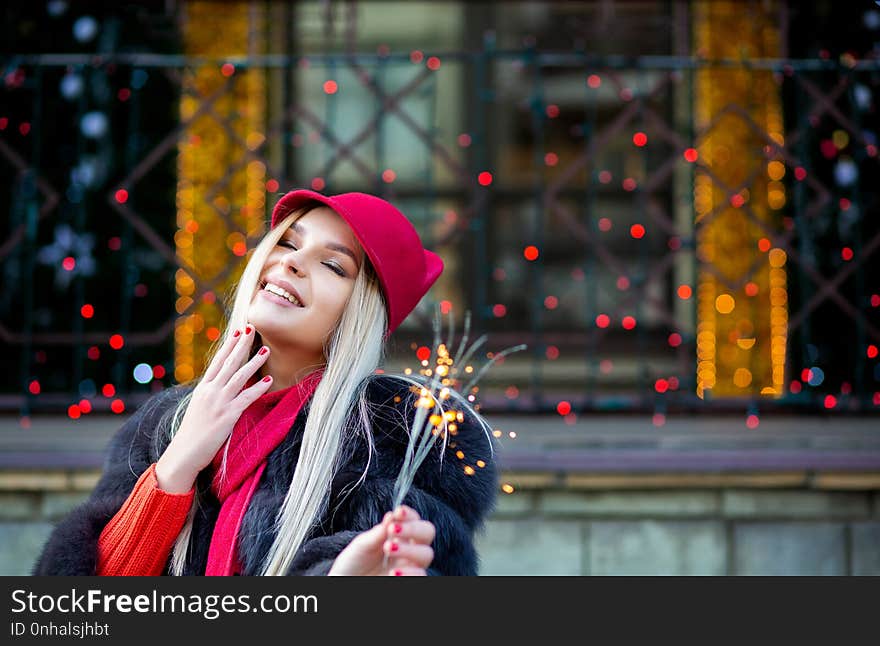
{"points": [[236, 333], [247, 330], [398, 573], [263, 350], [267, 378], [397, 528], [394, 547]]}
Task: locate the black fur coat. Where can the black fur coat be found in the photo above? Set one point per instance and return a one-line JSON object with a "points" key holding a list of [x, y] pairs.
{"points": [[457, 503]]}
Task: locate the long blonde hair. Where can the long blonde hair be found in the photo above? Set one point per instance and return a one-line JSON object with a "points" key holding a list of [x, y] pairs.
{"points": [[353, 351]]}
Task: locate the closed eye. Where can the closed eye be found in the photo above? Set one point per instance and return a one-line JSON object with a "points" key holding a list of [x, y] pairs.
{"points": [[336, 269]]}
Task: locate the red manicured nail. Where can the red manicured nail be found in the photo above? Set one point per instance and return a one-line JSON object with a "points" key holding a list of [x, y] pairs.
{"points": [[263, 350], [394, 547], [247, 330], [397, 528], [398, 573], [236, 333], [267, 378]]}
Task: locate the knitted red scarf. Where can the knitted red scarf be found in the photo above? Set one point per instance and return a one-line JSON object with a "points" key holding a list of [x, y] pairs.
{"points": [[259, 430]]}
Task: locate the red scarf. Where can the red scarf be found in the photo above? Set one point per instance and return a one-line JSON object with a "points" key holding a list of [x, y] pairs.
{"points": [[259, 430]]}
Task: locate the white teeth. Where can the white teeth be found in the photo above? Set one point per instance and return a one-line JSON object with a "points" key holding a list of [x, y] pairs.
{"points": [[283, 293]]}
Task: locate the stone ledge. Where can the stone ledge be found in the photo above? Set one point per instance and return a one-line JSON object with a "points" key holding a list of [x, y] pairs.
{"points": [[48, 480], [86, 479], [633, 503], [794, 504]]}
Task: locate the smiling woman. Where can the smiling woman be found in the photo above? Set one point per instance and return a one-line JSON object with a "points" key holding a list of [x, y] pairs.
{"points": [[312, 280], [282, 457]]}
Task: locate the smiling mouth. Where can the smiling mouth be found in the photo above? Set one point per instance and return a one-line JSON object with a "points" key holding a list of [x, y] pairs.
{"points": [[280, 293]]}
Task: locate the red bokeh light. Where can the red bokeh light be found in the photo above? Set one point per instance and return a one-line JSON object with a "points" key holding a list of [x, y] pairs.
{"points": [[629, 322], [116, 341], [603, 320], [484, 178], [423, 353], [640, 139], [531, 252], [87, 311], [691, 155], [563, 408], [330, 87], [117, 406], [637, 231]]}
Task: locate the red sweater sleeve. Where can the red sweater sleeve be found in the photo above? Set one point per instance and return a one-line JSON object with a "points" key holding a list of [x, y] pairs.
{"points": [[139, 538]]}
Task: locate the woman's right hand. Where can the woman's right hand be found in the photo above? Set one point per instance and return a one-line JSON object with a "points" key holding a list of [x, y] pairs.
{"points": [[217, 403]]}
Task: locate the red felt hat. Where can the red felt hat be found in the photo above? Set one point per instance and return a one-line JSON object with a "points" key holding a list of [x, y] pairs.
{"points": [[406, 270]]}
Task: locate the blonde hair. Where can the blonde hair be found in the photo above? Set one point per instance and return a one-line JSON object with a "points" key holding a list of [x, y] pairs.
{"points": [[353, 352]]}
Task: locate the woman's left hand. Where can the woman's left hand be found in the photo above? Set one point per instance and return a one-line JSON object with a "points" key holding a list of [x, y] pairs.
{"points": [[402, 535]]}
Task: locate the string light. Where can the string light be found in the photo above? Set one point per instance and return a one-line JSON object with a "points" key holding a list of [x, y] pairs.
{"points": [[204, 242], [741, 332]]}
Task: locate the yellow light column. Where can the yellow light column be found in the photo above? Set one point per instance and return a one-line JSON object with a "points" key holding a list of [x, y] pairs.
{"points": [[206, 152], [741, 330]]}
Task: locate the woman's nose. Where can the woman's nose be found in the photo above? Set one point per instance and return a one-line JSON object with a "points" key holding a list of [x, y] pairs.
{"points": [[289, 260]]}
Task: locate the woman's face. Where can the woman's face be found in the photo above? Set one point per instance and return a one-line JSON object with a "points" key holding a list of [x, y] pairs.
{"points": [[316, 260]]}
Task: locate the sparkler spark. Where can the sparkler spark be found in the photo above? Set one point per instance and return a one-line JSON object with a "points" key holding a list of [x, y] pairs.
{"points": [[441, 382]]}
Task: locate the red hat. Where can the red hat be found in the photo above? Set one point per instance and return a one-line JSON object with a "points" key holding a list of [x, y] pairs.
{"points": [[406, 270]]}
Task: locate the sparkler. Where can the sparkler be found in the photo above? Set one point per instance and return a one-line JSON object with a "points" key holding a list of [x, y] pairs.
{"points": [[433, 419]]}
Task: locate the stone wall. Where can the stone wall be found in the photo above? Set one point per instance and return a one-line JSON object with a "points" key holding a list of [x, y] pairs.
{"points": [[684, 532], [620, 530]]}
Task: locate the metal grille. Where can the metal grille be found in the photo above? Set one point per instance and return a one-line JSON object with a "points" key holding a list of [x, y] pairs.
{"points": [[541, 152]]}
